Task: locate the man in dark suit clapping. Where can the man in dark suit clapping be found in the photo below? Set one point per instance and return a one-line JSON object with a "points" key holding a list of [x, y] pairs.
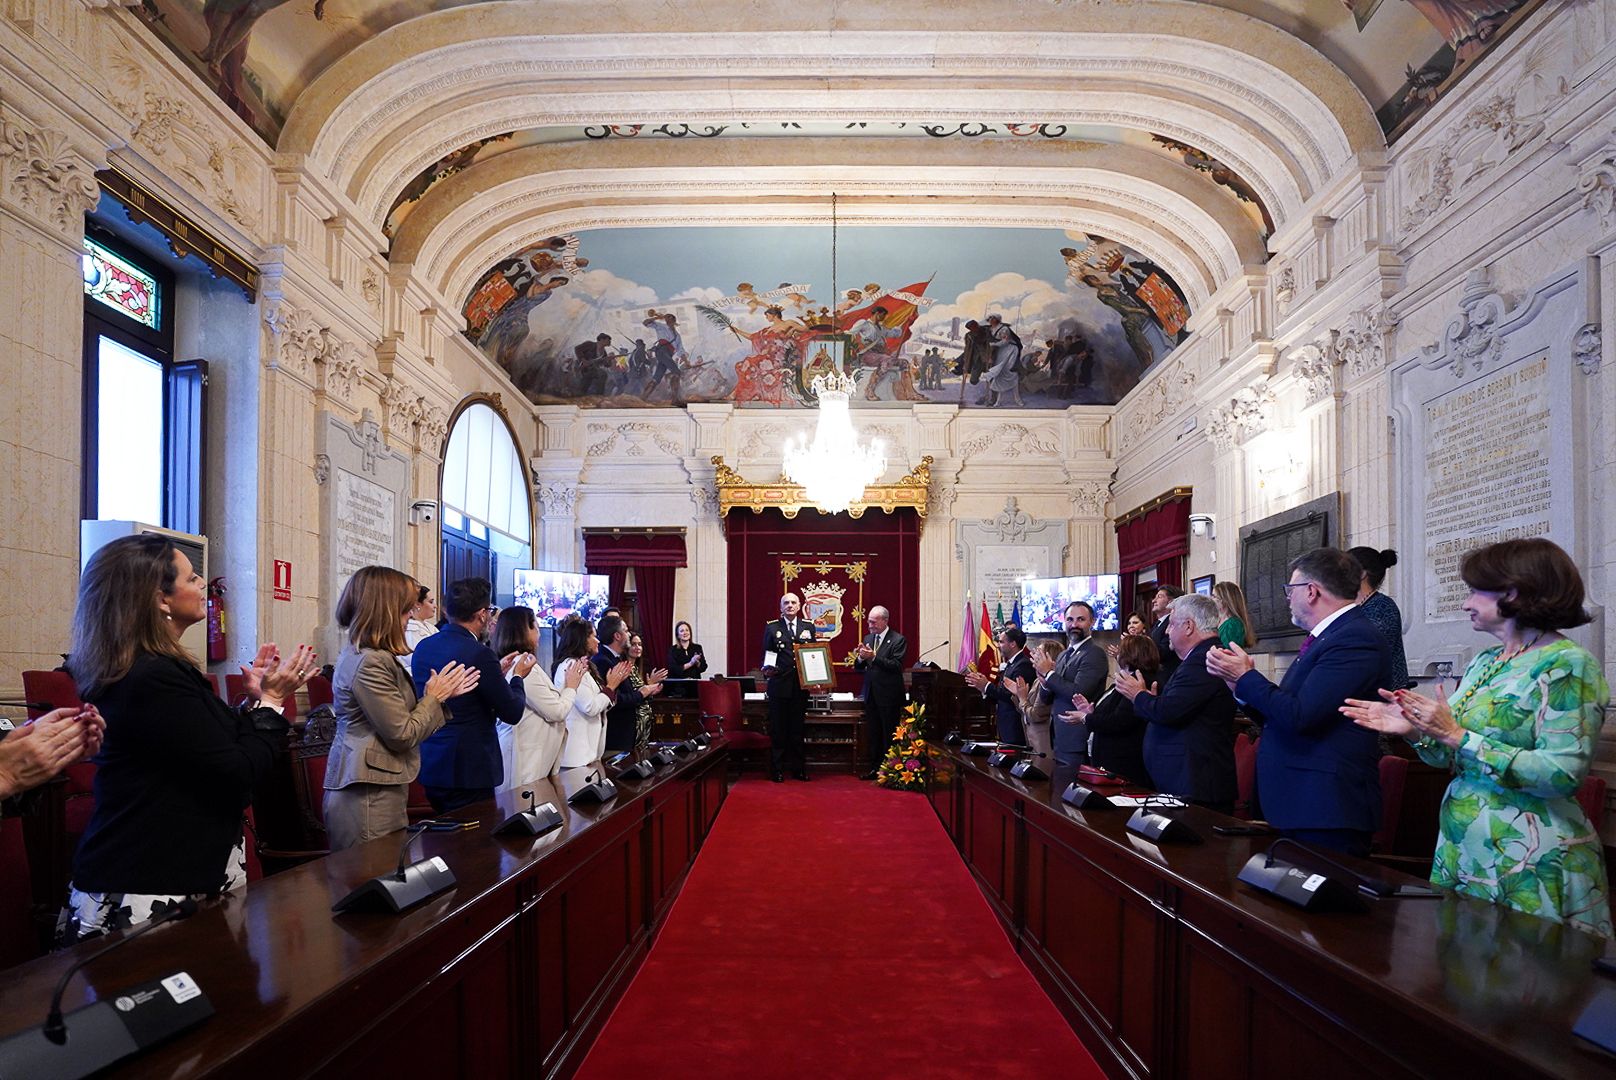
{"points": [[1081, 669], [1319, 774], [880, 658], [788, 701], [461, 762], [1189, 743], [1006, 701], [1160, 601]]}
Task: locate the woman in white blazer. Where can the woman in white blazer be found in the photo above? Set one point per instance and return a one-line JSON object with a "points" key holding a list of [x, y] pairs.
{"points": [[532, 748], [586, 723]]}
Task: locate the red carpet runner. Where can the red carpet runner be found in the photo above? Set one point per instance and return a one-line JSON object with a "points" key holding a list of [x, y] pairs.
{"points": [[830, 929]]}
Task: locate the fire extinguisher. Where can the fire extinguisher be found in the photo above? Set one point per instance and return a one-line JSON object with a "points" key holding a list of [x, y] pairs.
{"points": [[216, 643]]}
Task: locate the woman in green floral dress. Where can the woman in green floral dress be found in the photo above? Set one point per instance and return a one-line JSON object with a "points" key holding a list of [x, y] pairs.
{"points": [[1519, 734]]}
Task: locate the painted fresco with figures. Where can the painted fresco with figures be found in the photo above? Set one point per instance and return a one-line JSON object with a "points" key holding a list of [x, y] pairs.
{"points": [[999, 318]]}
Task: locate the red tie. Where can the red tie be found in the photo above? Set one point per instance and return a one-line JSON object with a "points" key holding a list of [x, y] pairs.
{"points": [[1307, 643]]}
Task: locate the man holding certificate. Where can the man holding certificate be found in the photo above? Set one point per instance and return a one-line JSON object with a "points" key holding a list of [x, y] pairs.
{"points": [[788, 701]]}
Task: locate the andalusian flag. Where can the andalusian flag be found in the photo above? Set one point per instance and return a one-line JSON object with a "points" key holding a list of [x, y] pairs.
{"points": [[998, 612], [987, 654], [967, 639]]}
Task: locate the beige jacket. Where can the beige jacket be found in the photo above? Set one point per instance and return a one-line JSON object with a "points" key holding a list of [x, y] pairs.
{"points": [[380, 723]]}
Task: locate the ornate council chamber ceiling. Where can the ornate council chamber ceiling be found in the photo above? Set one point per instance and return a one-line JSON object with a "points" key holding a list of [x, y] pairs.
{"points": [[260, 55], [991, 317]]}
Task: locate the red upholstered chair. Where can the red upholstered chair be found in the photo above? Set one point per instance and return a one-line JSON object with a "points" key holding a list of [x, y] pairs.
{"points": [[1245, 773], [319, 691], [417, 806], [56, 690], [18, 941], [1591, 796], [720, 703], [1393, 779]]}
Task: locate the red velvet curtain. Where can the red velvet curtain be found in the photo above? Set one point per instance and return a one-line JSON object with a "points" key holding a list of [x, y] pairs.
{"points": [[1160, 538], [653, 558], [888, 545]]}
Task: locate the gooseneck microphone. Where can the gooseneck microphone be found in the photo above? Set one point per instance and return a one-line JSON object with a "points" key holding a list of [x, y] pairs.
{"points": [[55, 1024], [532, 803], [411, 832], [928, 652]]}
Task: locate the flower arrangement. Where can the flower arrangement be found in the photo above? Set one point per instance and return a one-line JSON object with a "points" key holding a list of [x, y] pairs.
{"points": [[904, 767]]}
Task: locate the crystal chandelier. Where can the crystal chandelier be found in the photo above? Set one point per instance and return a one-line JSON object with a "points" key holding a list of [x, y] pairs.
{"points": [[834, 469]]}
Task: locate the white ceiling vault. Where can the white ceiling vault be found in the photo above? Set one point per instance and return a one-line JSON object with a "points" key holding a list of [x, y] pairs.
{"points": [[1259, 99]]}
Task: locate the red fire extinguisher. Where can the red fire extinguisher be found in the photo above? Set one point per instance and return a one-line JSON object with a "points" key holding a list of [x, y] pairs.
{"points": [[216, 642]]}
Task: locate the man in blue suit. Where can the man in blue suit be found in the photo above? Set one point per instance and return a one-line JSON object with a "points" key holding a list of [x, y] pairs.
{"points": [[1189, 743], [460, 762], [1317, 772], [1081, 669], [1006, 703]]}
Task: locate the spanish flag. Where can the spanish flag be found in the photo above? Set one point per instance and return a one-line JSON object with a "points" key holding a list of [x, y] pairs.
{"points": [[987, 654], [900, 309]]}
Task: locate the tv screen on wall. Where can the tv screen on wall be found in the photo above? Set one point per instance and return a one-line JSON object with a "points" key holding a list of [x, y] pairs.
{"points": [[1044, 600], [553, 595]]}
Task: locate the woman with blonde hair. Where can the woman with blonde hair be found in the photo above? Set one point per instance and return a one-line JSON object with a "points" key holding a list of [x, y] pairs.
{"points": [[1236, 624], [375, 752], [177, 766]]}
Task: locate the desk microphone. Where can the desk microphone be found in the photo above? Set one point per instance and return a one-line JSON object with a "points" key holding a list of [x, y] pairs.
{"points": [[409, 884], [411, 834], [597, 789], [55, 1026], [1307, 890], [536, 820], [928, 652], [1027, 768]]}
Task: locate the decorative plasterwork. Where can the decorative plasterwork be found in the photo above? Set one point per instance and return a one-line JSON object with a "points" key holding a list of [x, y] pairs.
{"points": [[737, 493], [635, 435], [1587, 346], [705, 500], [1472, 340], [340, 366], [1089, 498], [940, 503], [1011, 524], [1314, 366], [1285, 290], [1248, 413], [558, 500], [403, 408], [1596, 184], [322, 468], [297, 340], [1161, 399], [1360, 344], [1014, 441], [434, 427], [45, 177]]}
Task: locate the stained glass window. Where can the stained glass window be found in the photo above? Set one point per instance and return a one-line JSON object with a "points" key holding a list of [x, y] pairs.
{"points": [[120, 284]]}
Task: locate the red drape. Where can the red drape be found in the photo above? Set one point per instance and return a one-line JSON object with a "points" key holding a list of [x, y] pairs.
{"points": [[653, 558], [888, 543], [1161, 539]]}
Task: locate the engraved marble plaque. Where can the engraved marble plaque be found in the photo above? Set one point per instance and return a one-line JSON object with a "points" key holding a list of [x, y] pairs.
{"points": [[365, 491], [998, 552], [365, 517]]}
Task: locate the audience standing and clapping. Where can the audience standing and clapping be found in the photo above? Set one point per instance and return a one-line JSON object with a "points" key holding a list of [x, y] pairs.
{"points": [[1016, 671], [640, 681], [1160, 600], [531, 750], [686, 659], [1081, 670], [1236, 628], [39, 750], [422, 624], [1115, 731], [576, 647], [1382, 609]]}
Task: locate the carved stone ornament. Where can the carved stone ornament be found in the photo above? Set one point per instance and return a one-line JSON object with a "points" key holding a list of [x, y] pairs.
{"points": [[1472, 340], [297, 340], [340, 366], [1014, 440], [1089, 498], [1248, 413], [705, 500], [434, 426], [404, 407], [766, 440], [370, 287], [1596, 184], [1586, 348], [1360, 344], [941, 500], [1315, 370], [45, 176], [1285, 290], [1012, 523], [558, 500], [322, 468], [635, 434], [1162, 399], [369, 439]]}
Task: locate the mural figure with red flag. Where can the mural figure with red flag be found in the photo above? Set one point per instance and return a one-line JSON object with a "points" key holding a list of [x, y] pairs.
{"points": [[878, 332]]}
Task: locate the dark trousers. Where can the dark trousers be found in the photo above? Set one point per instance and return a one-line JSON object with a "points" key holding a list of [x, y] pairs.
{"points": [[786, 714], [880, 721], [445, 799], [1347, 841]]}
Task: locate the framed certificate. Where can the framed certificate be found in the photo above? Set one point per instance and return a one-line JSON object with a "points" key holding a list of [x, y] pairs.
{"points": [[813, 667]]}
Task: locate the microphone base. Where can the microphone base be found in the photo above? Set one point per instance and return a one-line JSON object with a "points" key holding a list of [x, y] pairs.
{"points": [[1000, 760], [1085, 798], [535, 822], [1161, 829], [978, 749], [640, 770], [386, 893], [662, 759], [1028, 771], [1303, 888], [693, 745], [106, 1032], [597, 792]]}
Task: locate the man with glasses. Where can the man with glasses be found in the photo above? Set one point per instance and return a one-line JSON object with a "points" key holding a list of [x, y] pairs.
{"points": [[1318, 774], [461, 762]]}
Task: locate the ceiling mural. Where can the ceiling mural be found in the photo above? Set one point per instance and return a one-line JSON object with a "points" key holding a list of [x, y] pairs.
{"points": [[999, 318], [259, 55], [1087, 136]]}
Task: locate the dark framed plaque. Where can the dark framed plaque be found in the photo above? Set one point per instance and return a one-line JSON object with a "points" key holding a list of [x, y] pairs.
{"points": [[1266, 550]]}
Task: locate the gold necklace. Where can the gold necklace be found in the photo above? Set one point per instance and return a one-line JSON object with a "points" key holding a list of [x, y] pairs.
{"points": [[1487, 675]]}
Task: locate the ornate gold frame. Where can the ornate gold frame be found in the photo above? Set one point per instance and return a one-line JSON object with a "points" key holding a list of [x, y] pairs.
{"points": [[737, 493]]}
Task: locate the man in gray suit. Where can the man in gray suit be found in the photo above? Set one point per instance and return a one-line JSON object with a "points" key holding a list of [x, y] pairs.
{"points": [[880, 658], [1081, 669]]}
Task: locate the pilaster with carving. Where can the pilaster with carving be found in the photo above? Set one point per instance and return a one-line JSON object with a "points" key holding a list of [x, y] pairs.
{"points": [[1360, 343], [1314, 366], [45, 179], [296, 341]]}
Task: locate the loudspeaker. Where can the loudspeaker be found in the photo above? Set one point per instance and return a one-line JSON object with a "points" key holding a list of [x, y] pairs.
{"points": [[390, 893], [1085, 798], [1305, 889], [1161, 829], [535, 822]]}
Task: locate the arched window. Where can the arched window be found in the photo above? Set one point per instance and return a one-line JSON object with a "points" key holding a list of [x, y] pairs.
{"points": [[487, 513]]}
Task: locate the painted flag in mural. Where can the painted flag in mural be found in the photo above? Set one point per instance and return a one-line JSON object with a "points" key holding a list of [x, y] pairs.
{"points": [[901, 307], [987, 654], [967, 653], [1170, 310]]}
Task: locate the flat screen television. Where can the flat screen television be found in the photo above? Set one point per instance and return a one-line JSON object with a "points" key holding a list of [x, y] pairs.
{"points": [[1044, 600], [554, 594]]}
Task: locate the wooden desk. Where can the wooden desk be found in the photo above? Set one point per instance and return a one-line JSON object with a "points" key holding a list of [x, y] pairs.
{"points": [[510, 973], [1167, 966]]}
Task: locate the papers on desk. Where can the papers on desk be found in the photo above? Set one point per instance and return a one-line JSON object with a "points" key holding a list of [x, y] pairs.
{"points": [[840, 695], [753, 697], [1134, 802]]}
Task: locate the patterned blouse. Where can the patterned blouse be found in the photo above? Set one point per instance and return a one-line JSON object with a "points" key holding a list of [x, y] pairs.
{"points": [[643, 718], [1512, 832], [1381, 610]]}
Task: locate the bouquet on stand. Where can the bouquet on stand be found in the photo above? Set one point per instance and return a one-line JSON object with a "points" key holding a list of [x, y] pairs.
{"points": [[904, 767]]}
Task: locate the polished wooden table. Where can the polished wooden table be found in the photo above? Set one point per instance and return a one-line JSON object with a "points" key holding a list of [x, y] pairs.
{"points": [[510, 973], [1167, 966]]}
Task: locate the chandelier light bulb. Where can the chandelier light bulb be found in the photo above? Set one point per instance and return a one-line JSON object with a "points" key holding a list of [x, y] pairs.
{"points": [[834, 469]]}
